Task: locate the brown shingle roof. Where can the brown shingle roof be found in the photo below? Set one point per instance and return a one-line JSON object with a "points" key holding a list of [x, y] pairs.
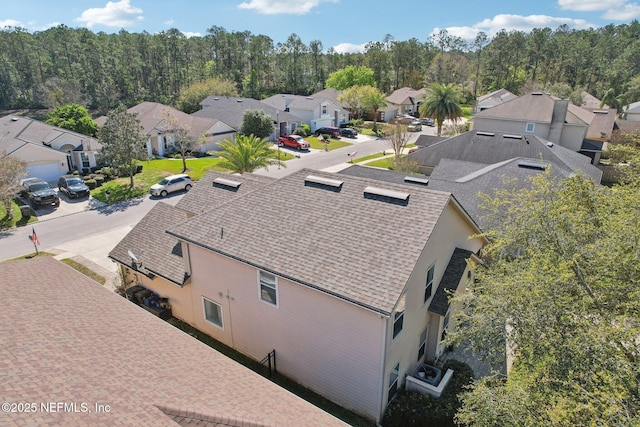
{"points": [[359, 252], [67, 339]]}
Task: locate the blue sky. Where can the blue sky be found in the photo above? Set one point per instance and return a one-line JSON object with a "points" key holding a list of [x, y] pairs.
{"points": [[345, 25]]}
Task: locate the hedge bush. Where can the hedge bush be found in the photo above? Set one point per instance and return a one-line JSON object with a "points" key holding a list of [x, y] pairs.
{"points": [[91, 183], [99, 180], [411, 409]]}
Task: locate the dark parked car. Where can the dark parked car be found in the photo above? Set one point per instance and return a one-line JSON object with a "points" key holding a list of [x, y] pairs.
{"points": [[39, 193], [72, 186], [332, 131], [348, 132]]}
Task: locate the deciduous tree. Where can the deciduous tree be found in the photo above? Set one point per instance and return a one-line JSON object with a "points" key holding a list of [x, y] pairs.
{"points": [[351, 76], [73, 117], [258, 123], [12, 170]]}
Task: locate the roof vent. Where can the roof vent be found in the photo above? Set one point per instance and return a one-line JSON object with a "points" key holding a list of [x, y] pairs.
{"points": [[226, 183], [322, 182], [549, 144], [386, 195], [416, 180], [600, 112], [537, 93], [485, 133], [507, 136], [216, 99], [14, 119], [532, 165], [238, 100]]}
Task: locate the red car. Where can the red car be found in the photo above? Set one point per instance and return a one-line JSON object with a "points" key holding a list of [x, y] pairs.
{"points": [[293, 141]]}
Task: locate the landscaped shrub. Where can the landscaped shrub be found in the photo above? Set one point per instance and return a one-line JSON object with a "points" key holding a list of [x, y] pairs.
{"points": [[99, 179], [107, 173], [75, 173], [91, 183], [138, 167], [415, 409]]}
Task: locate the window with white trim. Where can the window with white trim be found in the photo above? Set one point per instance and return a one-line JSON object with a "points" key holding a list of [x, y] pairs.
{"points": [[530, 127], [324, 109], [268, 288], [393, 382], [445, 325], [212, 312], [398, 317], [428, 287], [422, 345]]}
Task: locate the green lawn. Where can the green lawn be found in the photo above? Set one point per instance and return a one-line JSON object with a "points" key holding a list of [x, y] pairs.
{"points": [[385, 163], [333, 143], [17, 220], [369, 157], [84, 270]]}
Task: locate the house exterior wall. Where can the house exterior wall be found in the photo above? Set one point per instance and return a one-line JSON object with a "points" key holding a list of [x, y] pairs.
{"points": [[572, 136], [344, 365], [450, 232], [511, 126]]}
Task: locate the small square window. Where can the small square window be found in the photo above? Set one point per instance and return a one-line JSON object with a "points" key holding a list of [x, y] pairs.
{"points": [[428, 289], [212, 312], [268, 288], [530, 128]]}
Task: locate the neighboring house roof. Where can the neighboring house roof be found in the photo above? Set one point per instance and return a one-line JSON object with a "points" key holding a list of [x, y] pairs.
{"points": [[633, 108], [95, 347], [158, 254], [494, 147], [16, 131], [494, 98], [332, 94], [153, 118], [207, 193], [366, 258], [427, 140], [533, 107], [627, 126], [288, 102], [405, 96], [591, 102], [602, 123], [450, 280], [231, 110]]}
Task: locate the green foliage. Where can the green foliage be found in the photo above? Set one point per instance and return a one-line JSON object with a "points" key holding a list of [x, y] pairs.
{"points": [[303, 130], [91, 183], [442, 100], [351, 76], [99, 179], [12, 170], [73, 117], [406, 165], [258, 123], [192, 96], [559, 288], [419, 410], [246, 154]]}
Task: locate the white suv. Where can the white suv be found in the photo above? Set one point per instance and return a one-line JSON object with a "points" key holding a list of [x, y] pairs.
{"points": [[172, 183]]}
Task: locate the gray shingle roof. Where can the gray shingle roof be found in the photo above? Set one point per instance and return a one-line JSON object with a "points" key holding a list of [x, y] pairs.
{"points": [[450, 280], [405, 96], [93, 346], [339, 242], [230, 110], [159, 253]]}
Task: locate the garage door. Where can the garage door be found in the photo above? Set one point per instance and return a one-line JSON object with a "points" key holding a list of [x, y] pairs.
{"points": [[50, 172]]}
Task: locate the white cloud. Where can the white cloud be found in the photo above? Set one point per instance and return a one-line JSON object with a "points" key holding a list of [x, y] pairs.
{"points": [[119, 14], [590, 5], [189, 34], [349, 48], [168, 22], [275, 7], [11, 23], [626, 13]]}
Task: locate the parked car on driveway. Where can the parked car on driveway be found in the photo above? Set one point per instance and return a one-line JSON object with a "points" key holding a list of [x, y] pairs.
{"points": [[39, 193], [332, 131], [171, 184], [414, 126], [293, 141], [72, 186], [427, 121], [348, 132]]}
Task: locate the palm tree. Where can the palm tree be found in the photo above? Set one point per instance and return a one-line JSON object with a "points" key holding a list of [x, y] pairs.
{"points": [[440, 102], [374, 100], [247, 153]]}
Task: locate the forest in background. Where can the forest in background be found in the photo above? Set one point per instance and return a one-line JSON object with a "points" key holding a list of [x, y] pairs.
{"points": [[63, 65]]}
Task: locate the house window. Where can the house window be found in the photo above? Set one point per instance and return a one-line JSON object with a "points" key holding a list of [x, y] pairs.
{"points": [[530, 127], [445, 325], [85, 160], [212, 312], [393, 382], [428, 288], [324, 110], [268, 288], [422, 345], [398, 318]]}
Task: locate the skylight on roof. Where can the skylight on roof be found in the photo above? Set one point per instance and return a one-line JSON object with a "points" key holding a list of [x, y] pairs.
{"points": [[227, 183], [384, 193], [485, 133], [416, 180], [509, 136], [532, 165], [323, 181]]}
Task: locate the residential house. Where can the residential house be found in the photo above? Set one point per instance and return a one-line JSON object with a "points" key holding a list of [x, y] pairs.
{"points": [[231, 110], [489, 148], [333, 95], [345, 278], [494, 98], [632, 112], [49, 151], [159, 122], [552, 119], [75, 353], [315, 111], [402, 101]]}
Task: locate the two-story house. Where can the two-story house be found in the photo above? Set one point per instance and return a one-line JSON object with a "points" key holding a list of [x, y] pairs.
{"points": [[315, 111], [346, 278]]}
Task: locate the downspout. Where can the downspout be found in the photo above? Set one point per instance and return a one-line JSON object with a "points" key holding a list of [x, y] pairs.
{"points": [[384, 363]]}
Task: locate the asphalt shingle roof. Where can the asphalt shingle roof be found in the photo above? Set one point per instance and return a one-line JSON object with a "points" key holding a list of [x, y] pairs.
{"points": [[361, 253], [450, 280], [230, 110], [67, 339]]}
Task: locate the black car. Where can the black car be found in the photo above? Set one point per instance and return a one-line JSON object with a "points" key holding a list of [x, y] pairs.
{"points": [[72, 186], [39, 193], [348, 132], [332, 131]]}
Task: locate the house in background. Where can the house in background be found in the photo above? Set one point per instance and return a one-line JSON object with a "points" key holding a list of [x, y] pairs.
{"points": [[231, 110], [402, 101], [632, 112], [156, 119], [49, 151], [315, 111], [494, 98], [555, 120], [122, 366], [315, 266]]}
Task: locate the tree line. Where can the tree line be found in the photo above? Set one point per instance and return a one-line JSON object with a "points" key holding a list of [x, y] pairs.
{"points": [[64, 65]]}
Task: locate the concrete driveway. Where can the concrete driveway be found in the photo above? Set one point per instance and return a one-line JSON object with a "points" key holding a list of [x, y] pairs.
{"points": [[67, 207]]}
